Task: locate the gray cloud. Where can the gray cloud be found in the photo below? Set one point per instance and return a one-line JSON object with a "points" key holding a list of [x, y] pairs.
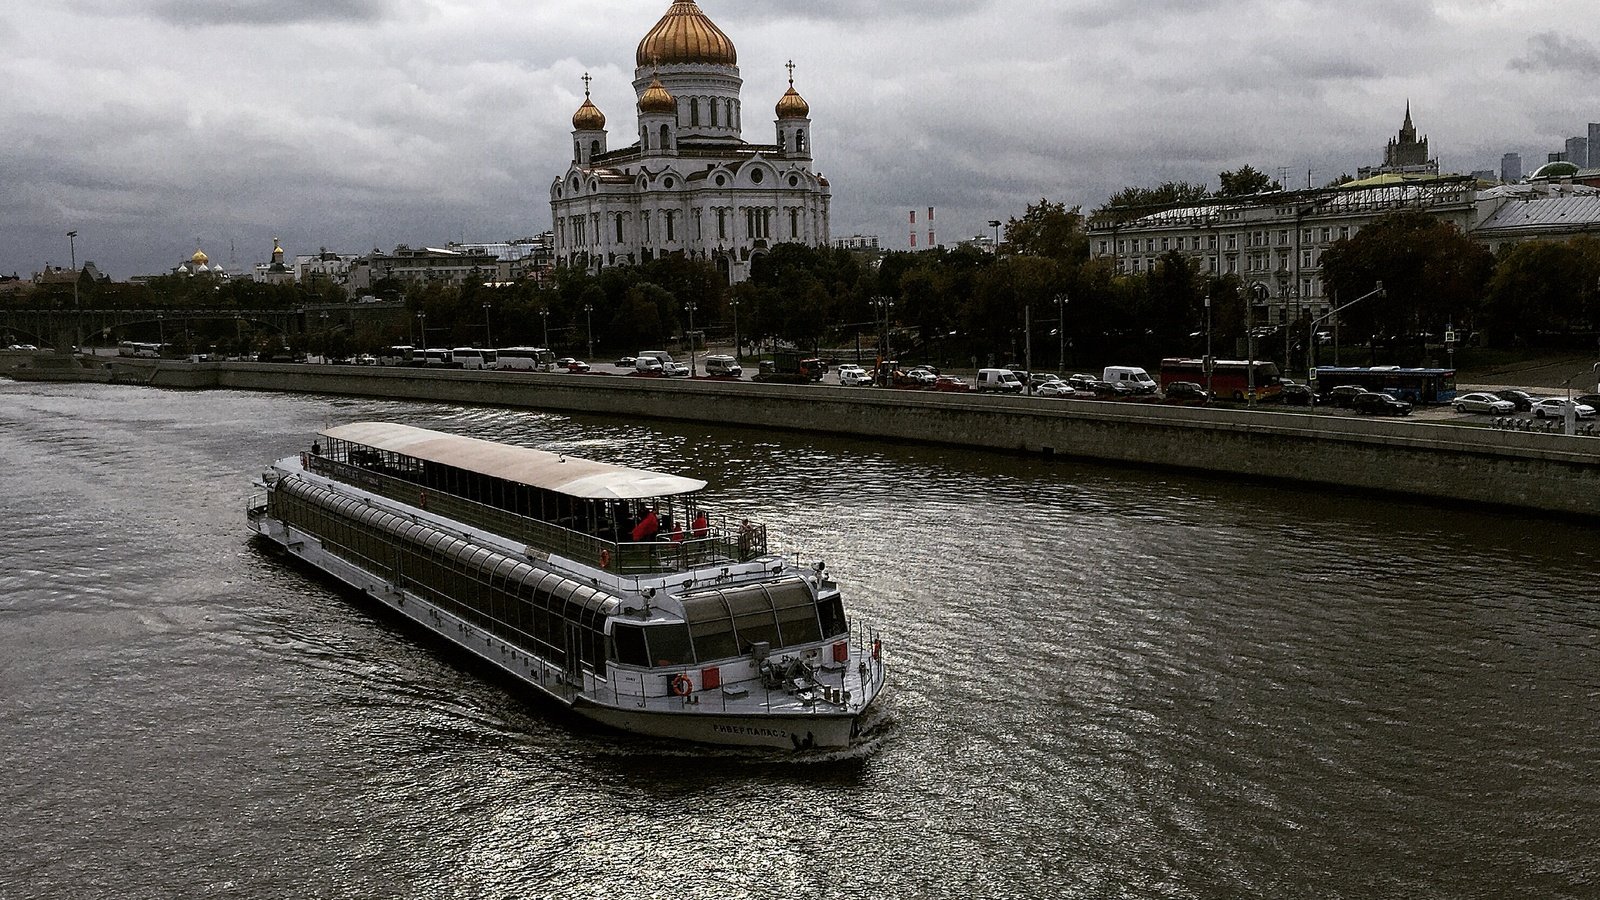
{"points": [[213, 13], [1550, 51]]}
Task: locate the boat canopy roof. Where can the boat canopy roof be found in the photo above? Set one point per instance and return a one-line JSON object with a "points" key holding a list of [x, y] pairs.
{"points": [[582, 478]]}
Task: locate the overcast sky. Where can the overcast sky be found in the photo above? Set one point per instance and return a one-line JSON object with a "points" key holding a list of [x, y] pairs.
{"points": [[355, 124]]}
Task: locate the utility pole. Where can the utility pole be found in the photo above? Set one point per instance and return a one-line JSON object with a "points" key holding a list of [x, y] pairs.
{"points": [[690, 304], [1208, 360], [734, 303], [77, 311], [1061, 332], [1027, 342], [588, 315]]}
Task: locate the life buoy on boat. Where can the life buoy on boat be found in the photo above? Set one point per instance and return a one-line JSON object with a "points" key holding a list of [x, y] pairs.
{"points": [[681, 685], [605, 559]]}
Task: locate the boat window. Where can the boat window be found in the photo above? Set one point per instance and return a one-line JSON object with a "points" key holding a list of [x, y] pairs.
{"points": [[833, 620], [669, 645], [798, 624], [752, 617], [710, 627], [627, 642]]}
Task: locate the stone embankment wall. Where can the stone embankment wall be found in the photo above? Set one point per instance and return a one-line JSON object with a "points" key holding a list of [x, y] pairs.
{"points": [[1546, 472]]}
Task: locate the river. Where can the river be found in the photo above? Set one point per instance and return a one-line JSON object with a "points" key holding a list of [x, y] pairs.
{"points": [[1105, 682]]}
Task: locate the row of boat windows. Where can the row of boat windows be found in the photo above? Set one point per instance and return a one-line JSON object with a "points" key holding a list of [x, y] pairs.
{"points": [[589, 516], [721, 637], [525, 611]]}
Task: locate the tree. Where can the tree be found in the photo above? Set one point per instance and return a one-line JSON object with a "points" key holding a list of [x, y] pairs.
{"points": [[1133, 202], [1244, 181], [1432, 274], [1049, 230], [1543, 287]]}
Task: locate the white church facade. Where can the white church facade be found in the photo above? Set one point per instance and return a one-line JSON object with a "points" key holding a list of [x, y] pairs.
{"points": [[690, 185]]}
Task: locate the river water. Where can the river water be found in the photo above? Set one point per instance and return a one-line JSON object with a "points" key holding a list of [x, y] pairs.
{"points": [[1106, 682]]}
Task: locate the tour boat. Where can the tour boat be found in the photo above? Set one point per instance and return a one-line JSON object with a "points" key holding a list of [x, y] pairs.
{"points": [[607, 588]]}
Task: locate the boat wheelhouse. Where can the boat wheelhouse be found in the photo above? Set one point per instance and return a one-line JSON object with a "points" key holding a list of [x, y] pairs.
{"points": [[605, 587]]}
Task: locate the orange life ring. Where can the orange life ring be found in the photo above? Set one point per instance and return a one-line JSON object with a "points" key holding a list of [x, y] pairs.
{"points": [[681, 685], [605, 559]]}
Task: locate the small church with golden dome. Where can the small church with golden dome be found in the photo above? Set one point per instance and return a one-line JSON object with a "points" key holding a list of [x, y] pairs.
{"points": [[690, 185]]}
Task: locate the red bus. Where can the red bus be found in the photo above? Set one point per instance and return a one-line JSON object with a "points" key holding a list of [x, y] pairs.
{"points": [[1230, 378]]}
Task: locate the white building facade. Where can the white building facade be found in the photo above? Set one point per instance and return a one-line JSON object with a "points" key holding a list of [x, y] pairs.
{"points": [[690, 185]]}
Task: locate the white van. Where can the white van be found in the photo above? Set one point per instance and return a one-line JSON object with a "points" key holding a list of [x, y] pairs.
{"points": [[720, 364], [1133, 378], [1001, 380]]}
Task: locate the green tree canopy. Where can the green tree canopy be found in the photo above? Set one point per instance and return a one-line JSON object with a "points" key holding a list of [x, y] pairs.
{"points": [[1244, 181]]}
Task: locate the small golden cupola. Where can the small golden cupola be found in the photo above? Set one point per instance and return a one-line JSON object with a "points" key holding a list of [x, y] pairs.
{"points": [[791, 105], [199, 258], [655, 98], [588, 117], [685, 35]]}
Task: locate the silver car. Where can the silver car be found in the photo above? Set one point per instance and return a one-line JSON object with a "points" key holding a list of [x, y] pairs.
{"points": [[1484, 402]]}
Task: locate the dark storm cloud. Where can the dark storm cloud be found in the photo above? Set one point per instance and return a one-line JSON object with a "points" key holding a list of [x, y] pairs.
{"points": [[1552, 52]]}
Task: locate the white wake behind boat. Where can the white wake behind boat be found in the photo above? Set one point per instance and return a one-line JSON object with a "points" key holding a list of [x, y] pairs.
{"points": [[604, 587]]}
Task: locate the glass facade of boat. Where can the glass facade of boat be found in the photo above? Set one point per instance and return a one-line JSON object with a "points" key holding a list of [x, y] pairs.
{"points": [[547, 614], [550, 615], [592, 531]]}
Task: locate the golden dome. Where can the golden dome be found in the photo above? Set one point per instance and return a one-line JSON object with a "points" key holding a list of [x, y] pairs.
{"points": [[588, 117], [199, 257], [655, 99], [685, 35], [791, 105]]}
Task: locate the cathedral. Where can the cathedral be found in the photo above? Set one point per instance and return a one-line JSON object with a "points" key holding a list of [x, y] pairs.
{"points": [[690, 185]]}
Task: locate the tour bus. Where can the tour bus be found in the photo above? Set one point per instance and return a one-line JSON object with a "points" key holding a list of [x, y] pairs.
{"points": [[1411, 385], [525, 359], [435, 357], [473, 358], [400, 355], [139, 349], [1230, 378]]}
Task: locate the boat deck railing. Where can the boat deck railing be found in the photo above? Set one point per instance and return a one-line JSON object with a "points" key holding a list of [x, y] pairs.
{"points": [[721, 544]]}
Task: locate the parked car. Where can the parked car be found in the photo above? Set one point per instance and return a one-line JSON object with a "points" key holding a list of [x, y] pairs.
{"points": [[1374, 404], [922, 375], [1083, 383], [624, 362], [1484, 402], [1345, 394], [999, 380], [1038, 379], [854, 376], [1522, 399], [1190, 392], [1056, 388], [1589, 400], [676, 369], [1296, 394], [1556, 408], [366, 359], [577, 366], [951, 384]]}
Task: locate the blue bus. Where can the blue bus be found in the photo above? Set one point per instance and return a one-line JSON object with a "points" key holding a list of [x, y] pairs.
{"points": [[1414, 385]]}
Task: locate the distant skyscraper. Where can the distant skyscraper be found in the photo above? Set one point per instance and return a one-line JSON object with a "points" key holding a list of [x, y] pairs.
{"points": [[1511, 168], [1578, 151], [1405, 154]]}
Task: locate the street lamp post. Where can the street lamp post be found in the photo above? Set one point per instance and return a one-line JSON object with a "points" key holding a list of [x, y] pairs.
{"points": [[995, 224], [734, 303], [161, 332], [690, 305], [324, 337], [422, 331], [488, 340], [588, 316], [1311, 331], [1208, 361], [1061, 332], [544, 314], [77, 312]]}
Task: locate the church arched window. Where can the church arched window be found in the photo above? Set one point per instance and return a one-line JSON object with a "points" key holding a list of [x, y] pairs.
{"points": [[694, 110], [800, 142], [713, 105], [619, 228], [594, 148], [666, 139]]}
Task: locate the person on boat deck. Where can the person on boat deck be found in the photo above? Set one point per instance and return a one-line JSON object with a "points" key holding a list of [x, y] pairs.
{"points": [[647, 527], [677, 532], [701, 526]]}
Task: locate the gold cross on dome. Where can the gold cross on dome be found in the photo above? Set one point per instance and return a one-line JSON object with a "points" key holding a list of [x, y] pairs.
{"points": [[790, 67], [586, 81]]}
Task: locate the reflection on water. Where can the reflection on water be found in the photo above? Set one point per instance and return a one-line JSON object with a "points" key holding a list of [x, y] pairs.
{"points": [[1107, 681]]}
